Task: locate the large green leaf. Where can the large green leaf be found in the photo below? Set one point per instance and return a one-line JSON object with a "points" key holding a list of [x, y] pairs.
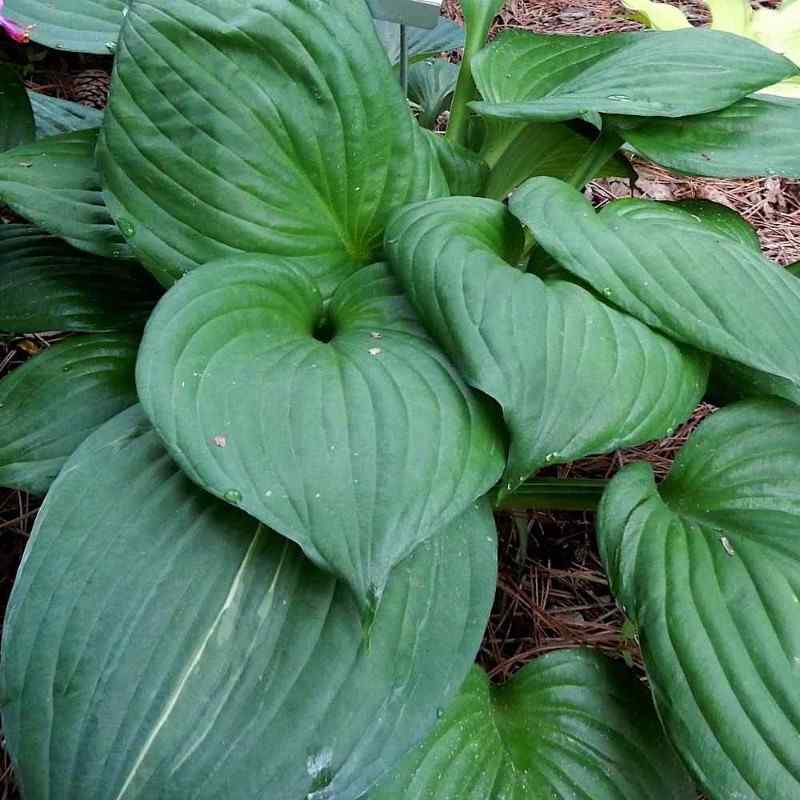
{"points": [[54, 116], [357, 448], [46, 285], [16, 116], [675, 272], [49, 405], [526, 76], [422, 43], [571, 724], [729, 380], [430, 86], [713, 217], [708, 567], [552, 149], [573, 375], [83, 26], [751, 137], [268, 127], [159, 643], [55, 183]]}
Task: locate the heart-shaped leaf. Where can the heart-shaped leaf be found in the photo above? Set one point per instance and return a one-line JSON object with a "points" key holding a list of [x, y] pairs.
{"points": [[292, 136], [16, 116], [46, 285], [570, 724], [55, 183], [527, 76], [682, 276], [159, 643], [357, 444], [708, 567], [54, 116], [573, 375], [751, 137], [49, 405], [82, 26]]}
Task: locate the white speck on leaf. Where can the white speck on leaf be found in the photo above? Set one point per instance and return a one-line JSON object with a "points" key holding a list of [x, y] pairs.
{"points": [[727, 546], [318, 763], [375, 351], [220, 440]]}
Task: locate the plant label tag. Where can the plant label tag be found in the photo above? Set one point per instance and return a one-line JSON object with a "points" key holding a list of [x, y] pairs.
{"points": [[417, 13]]}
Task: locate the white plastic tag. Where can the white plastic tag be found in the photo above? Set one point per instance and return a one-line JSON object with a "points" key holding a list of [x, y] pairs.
{"points": [[417, 13]]}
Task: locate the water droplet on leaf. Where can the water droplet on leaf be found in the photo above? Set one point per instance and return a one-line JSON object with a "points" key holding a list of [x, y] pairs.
{"points": [[127, 227]]}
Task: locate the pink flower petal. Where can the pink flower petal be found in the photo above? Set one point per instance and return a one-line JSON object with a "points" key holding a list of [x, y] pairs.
{"points": [[16, 32]]}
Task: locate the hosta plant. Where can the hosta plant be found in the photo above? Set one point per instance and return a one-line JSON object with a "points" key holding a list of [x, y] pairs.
{"points": [[312, 343]]}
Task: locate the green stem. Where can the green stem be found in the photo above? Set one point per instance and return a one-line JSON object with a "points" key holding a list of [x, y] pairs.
{"points": [[466, 90], [552, 494], [601, 150]]}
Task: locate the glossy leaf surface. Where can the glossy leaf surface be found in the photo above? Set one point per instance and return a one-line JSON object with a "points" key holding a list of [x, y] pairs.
{"points": [[684, 277], [291, 138], [751, 137], [46, 285], [349, 432], [50, 404], [527, 76], [708, 567], [55, 184], [82, 26], [160, 643], [570, 724], [573, 375]]}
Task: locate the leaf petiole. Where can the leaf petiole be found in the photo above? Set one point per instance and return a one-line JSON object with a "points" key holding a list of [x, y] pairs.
{"points": [[553, 494]]}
